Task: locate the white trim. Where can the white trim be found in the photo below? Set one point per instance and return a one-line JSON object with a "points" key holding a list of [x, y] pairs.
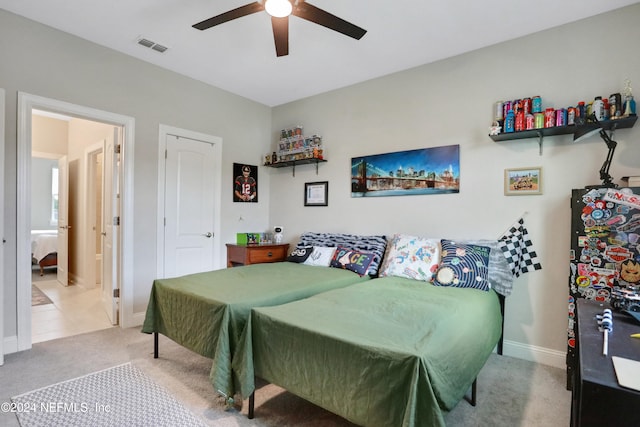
{"points": [[2, 237], [216, 141], [27, 102], [532, 353], [89, 243]]}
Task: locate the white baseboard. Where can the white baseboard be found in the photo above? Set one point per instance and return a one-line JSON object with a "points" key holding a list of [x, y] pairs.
{"points": [[136, 320], [535, 354], [10, 344]]}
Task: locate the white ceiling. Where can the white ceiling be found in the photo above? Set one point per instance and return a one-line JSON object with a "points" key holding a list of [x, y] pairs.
{"points": [[239, 56]]}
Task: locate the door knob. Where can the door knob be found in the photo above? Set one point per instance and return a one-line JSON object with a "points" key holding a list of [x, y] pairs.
{"points": [[208, 235]]}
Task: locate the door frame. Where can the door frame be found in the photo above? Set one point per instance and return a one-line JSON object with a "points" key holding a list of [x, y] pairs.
{"points": [[216, 141], [2, 281], [91, 273], [26, 103]]}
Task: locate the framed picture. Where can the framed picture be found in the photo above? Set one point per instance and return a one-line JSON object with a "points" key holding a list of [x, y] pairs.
{"points": [[523, 181], [245, 183], [316, 193], [423, 171]]}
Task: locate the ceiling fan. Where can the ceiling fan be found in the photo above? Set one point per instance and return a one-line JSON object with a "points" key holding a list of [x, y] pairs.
{"points": [[280, 11]]}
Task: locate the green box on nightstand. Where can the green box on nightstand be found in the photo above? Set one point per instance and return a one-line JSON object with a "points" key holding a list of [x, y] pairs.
{"points": [[247, 238]]}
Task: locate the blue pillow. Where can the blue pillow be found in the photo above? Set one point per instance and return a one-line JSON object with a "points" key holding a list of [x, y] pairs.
{"points": [[353, 260], [463, 266]]}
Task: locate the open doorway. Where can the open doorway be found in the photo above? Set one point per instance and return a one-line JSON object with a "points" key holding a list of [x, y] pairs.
{"points": [[118, 289], [67, 225]]}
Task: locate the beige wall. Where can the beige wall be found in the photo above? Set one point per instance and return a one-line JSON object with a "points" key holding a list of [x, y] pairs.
{"points": [[451, 102], [49, 136]]}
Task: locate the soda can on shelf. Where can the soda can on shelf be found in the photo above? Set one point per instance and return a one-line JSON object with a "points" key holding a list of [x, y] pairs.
{"points": [[499, 111], [526, 105], [571, 116], [520, 121], [536, 104], [549, 118], [530, 121], [561, 118], [506, 107], [539, 120], [516, 106]]}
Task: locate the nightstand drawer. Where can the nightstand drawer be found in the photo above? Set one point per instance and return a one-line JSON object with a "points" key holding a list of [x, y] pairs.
{"points": [[255, 254], [267, 254]]}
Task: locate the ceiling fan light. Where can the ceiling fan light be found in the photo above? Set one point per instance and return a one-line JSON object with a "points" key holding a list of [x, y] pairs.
{"points": [[278, 8]]}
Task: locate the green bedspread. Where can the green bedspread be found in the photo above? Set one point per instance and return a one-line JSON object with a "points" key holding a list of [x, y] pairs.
{"points": [[389, 352], [207, 312]]}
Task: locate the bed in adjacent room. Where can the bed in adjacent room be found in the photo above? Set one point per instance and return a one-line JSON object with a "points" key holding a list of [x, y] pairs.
{"points": [[44, 248], [399, 350], [207, 312]]}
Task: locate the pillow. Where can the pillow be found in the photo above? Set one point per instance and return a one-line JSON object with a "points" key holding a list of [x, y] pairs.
{"points": [[500, 276], [353, 260], [373, 244], [300, 255], [412, 257], [463, 266], [320, 256]]}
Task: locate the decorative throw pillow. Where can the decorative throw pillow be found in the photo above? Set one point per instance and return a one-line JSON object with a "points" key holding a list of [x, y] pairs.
{"points": [[300, 255], [353, 260], [373, 244], [412, 257], [500, 276], [463, 266], [320, 256]]}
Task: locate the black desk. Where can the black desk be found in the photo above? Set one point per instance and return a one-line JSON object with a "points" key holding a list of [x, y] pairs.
{"points": [[597, 399]]}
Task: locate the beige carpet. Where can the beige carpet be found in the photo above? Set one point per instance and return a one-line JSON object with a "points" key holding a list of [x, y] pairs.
{"points": [[511, 392]]}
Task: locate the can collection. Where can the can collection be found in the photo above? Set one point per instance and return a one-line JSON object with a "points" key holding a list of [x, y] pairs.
{"points": [[528, 113]]}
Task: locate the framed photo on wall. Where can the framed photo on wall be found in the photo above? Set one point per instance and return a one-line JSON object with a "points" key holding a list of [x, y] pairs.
{"points": [[424, 171], [245, 183], [316, 193], [523, 181]]}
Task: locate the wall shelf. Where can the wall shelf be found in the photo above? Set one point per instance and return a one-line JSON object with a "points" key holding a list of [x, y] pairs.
{"points": [[626, 122], [293, 163]]}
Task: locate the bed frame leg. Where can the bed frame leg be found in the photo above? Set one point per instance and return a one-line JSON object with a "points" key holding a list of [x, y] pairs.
{"points": [[472, 399], [155, 345], [251, 405], [501, 298]]}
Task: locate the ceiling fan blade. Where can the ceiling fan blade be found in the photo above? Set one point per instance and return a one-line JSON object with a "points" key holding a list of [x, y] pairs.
{"points": [[239, 12], [281, 35], [311, 13]]}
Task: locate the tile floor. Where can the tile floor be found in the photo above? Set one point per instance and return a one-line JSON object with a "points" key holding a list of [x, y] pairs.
{"points": [[75, 310]]}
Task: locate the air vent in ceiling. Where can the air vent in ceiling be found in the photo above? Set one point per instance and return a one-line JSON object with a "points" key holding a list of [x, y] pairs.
{"points": [[152, 45]]}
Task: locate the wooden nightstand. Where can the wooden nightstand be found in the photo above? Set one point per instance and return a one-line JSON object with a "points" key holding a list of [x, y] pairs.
{"points": [[255, 254]]}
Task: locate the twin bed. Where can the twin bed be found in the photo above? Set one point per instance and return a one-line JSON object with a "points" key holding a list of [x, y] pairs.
{"points": [[384, 351]]}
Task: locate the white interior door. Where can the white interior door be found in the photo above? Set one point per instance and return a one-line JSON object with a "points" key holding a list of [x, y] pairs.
{"points": [[189, 206], [110, 220], [63, 221]]}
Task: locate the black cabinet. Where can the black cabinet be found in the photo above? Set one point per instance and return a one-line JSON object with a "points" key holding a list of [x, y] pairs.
{"points": [[597, 400]]}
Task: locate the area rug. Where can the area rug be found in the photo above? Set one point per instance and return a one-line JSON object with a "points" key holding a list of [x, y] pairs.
{"points": [[118, 396], [38, 297]]}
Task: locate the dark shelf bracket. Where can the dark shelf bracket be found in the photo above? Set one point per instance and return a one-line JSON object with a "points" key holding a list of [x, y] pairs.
{"points": [[540, 137]]}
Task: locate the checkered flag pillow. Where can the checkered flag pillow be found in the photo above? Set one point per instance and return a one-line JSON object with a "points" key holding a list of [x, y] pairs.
{"points": [[517, 248]]}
